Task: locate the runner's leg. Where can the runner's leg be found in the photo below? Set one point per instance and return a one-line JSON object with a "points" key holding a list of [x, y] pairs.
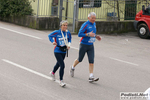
{"points": [[90, 54], [81, 55], [60, 59]]}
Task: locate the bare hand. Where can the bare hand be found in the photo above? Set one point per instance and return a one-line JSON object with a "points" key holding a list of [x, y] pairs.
{"points": [[92, 34], [54, 43], [98, 37], [68, 47]]}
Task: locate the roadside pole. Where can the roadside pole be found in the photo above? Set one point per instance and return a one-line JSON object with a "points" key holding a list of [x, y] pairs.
{"points": [[60, 10], [74, 16]]}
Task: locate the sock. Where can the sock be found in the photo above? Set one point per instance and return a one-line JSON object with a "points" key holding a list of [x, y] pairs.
{"points": [[73, 67], [91, 75], [53, 73]]}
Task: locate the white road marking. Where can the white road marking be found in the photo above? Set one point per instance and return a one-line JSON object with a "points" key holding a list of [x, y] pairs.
{"points": [[74, 48], [21, 33], [28, 35], [32, 71], [124, 61], [33, 87], [115, 59]]}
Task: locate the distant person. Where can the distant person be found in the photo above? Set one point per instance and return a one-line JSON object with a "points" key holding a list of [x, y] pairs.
{"points": [[88, 34], [62, 39]]}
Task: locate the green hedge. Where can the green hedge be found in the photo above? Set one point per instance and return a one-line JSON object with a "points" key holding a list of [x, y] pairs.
{"points": [[15, 8]]}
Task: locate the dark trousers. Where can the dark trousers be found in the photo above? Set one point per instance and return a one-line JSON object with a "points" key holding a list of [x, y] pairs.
{"points": [[60, 63]]}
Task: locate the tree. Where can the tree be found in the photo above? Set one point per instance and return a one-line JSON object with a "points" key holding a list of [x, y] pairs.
{"points": [[15, 8]]}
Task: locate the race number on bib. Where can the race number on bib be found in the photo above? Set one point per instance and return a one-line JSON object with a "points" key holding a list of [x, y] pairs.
{"points": [[91, 40], [61, 42]]}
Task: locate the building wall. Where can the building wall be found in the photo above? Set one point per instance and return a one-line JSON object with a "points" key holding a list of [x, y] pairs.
{"points": [[104, 13], [42, 7]]}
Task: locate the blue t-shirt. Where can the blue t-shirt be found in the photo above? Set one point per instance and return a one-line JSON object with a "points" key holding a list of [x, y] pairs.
{"points": [[58, 38], [86, 28]]}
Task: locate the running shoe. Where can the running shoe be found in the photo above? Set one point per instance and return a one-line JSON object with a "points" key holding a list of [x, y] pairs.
{"points": [[72, 72], [62, 84], [92, 79], [52, 76]]}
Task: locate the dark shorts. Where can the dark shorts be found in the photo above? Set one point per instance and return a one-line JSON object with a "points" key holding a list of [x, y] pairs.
{"points": [[90, 52]]}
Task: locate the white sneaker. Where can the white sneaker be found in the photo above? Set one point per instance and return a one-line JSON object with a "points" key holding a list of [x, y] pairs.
{"points": [[72, 72], [52, 76], [62, 84], [92, 79]]}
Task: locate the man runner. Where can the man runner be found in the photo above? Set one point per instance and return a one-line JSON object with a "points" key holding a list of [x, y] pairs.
{"points": [[88, 34]]}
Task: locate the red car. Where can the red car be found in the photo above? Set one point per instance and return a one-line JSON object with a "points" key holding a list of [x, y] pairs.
{"points": [[142, 22]]}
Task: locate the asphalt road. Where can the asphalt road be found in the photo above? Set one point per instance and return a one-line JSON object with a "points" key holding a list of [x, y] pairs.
{"points": [[26, 58]]}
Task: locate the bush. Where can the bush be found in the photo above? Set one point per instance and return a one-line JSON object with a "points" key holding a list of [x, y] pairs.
{"points": [[15, 8]]}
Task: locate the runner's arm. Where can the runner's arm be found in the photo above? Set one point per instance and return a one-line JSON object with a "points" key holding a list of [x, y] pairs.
{"points": [[52, 35], [83, 31]]}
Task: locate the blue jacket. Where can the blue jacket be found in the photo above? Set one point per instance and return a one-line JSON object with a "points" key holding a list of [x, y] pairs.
{"points": [[86, 28], [58, 38]]}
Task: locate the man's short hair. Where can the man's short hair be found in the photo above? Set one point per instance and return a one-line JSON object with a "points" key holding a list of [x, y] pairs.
{"points": [[92, 14]]}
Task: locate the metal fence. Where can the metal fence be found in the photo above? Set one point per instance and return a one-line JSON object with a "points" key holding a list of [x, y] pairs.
{"points": [[44, 8], [111, 9], [78, 10], [105, 9]]}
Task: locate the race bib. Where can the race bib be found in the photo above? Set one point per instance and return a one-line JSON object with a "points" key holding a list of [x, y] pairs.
{"points": [[61, 42], [91, 40]]}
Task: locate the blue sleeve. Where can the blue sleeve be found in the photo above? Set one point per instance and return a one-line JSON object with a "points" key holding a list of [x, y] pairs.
{"points": [[82, 30], [52, 35], [69, 37]]}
